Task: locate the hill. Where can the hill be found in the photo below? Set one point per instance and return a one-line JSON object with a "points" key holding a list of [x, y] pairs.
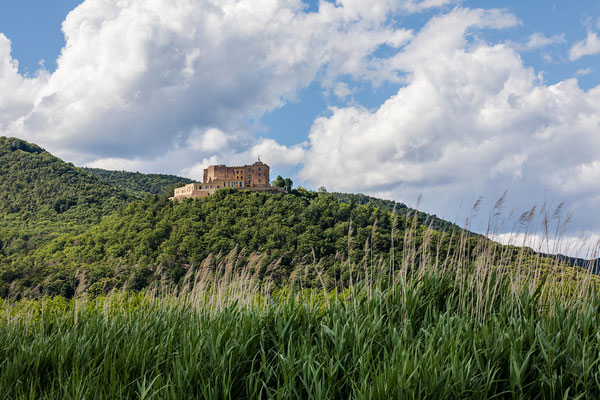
{"points": [[138, 183], [285, 231], [64, 228], [426, 219], [307, 235], [42, 196], [161, 184], [59, 221]]}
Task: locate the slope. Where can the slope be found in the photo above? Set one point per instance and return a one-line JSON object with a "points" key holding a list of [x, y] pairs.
{"points": [[282, 234], [138, 183], [426, 219], [42, 196]]}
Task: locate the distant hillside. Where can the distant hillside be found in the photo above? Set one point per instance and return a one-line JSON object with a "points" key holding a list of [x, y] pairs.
{"points": [[593, 265], [42, 196], [426, 219], [138, 183]]}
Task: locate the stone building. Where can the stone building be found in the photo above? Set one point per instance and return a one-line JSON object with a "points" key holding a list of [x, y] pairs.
{"points": [[248, 177]]}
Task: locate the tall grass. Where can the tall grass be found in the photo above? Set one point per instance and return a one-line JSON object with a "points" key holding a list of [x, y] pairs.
{"points": [[482, 323], [416, 339]]}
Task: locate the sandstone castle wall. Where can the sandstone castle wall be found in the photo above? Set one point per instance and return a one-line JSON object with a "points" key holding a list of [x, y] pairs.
{"points": [[248, 177]]}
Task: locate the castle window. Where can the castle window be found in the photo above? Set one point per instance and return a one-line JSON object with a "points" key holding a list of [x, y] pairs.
{"points": [[259, 173], [259, 168], [259, 181]]}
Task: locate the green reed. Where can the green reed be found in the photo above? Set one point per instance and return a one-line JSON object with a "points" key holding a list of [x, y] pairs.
{"points": [[425, 334]]}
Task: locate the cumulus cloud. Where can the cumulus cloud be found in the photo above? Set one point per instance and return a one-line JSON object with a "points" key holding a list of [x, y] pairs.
{"points": [[585, 245], [586, 47], [196, 171], [209, 141], [419, 6], [117, 164], [277, 154], [471, 119], [376, 10], [538, 40], [17, 93], [139, 78]]}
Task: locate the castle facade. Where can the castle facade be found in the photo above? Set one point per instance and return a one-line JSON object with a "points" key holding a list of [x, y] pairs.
{"points": [[248, 177]]}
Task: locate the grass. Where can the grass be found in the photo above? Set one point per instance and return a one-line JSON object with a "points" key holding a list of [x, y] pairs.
{"points": [[499, 323], [429, 336]]}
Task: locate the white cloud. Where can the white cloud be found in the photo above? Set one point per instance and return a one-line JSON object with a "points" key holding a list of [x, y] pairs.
{"points": [[584, 245], [422, 5], [138, 78], [196, 171], [584, 71], [275, 154], [379, 9], [538, 40], [589, 46], [17, 93], [547, 58], [341, 90], [118, 164], [471, 120], [208, 141]]}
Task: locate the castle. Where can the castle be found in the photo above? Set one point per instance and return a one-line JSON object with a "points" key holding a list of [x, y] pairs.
{"points": [[248, 177]]}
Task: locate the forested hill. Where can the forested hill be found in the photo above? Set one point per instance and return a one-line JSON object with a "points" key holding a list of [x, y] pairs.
{"points": [[63, 227], [138, 183], [163, 184], [42, 196], [57, 219], [157, 239], [426, 219]]}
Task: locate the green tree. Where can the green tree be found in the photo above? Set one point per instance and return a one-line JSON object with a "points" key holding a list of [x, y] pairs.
{"points": [[279, 182]]}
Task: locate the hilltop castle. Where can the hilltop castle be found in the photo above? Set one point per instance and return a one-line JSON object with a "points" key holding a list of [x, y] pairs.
{"points": [[248, 177]]}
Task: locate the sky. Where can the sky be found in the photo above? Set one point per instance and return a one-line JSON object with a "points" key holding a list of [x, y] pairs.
{"points": [[435, 103]]}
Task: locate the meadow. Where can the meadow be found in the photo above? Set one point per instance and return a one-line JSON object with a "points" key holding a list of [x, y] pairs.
{"points": [[431, 327]]}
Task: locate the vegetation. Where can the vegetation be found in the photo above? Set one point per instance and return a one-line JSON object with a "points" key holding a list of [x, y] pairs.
{"points": [[428, 220], [140, 184], [286, 183], [287, 231], [41, 197], [423, 331]]}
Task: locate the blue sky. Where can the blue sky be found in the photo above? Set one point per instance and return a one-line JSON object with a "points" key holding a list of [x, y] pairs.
{"points": [[447, 99]]}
